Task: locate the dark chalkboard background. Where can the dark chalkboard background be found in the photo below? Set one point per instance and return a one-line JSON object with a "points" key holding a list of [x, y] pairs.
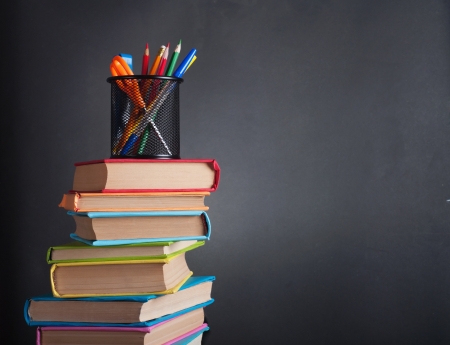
{"points": [[330, 121]]}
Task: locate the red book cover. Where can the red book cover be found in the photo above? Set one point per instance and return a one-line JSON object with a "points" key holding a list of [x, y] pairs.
{"points": [[212, 162]]}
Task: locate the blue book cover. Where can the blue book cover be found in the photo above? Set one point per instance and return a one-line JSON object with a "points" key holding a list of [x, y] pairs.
{"points": [[191, 282], [141, 214]]}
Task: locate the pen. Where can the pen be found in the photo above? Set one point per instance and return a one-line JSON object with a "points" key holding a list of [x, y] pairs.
{"points": [[173, 60], [184, 64], [190, 63], [145, 59], [156, 61], [119, 67], [147, 113]]}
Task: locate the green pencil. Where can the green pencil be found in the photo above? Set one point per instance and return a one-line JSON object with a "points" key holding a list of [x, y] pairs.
{"points": [[173, 60]]}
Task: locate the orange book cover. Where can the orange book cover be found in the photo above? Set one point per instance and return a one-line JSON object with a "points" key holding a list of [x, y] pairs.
{"points": [[71, 201]]}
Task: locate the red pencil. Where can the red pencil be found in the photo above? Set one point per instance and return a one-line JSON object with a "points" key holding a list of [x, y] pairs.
{"points": [[145, 59], [163, 62]]}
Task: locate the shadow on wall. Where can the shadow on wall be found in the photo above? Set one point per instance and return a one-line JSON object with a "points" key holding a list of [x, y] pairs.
{"points": [[9, 141]]}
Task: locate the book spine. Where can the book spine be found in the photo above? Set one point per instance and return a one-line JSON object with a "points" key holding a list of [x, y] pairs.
{"points": [[49, 254], [52, 281], [25, 312], [70, 201], [216, 176]]}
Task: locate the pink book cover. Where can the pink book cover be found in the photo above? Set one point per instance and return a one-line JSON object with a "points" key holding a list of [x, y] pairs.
{"points": [[214, 163], [198, 329], [117, 329]]}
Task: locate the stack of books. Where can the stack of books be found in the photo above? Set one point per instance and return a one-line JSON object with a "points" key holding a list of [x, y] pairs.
{"points": [[124, 278]]}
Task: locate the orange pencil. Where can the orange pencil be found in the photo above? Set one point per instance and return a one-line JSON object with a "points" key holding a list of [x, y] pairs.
{"points": [[155, 65]]}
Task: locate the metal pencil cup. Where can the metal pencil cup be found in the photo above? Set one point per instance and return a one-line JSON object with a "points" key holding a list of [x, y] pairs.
{"points": [[145, 116]]}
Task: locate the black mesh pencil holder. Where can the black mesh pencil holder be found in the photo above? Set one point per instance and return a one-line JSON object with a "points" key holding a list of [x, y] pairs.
{"points": [[145, 116]]}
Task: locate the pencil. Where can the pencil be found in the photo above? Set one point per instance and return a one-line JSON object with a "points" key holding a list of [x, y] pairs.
{"points": [[156, 61], [173, 60], [163, 61], [162, 65], [145, 59]]}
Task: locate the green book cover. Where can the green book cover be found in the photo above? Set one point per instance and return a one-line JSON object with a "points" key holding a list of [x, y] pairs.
{"points": [[80, 245]]}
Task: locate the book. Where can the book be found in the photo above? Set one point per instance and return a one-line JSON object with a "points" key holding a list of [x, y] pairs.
{"points": [[194, 339], [81, 252], [146, 175], [123, 311], [119, 278], [169, 201], [164, 333], [115, 228]]}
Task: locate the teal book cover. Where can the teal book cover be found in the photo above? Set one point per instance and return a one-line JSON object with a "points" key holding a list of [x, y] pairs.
{"points": [[125, 240], [191, 282]]}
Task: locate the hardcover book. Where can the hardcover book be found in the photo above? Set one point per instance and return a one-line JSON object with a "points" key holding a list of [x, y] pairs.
{"points": [[146, 175], [169, 201], [81, 252], [194, 339], [115, 228], [124, 311], [163, 333], [119, 278]]}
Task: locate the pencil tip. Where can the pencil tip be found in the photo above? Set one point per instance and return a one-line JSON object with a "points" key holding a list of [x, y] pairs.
{"points": [[180, 42], [146, 46]]}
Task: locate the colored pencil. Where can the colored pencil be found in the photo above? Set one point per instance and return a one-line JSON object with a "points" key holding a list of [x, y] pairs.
{"points": [[163, 61], [145, 59], [173, 60], [158, 56], [162, 65]]}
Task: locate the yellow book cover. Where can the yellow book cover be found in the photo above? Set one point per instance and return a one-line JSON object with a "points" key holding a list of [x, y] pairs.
{"points": [[183, 270]]}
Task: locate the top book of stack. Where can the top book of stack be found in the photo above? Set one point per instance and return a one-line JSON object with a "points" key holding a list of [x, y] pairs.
{"points": [[146, 175]]}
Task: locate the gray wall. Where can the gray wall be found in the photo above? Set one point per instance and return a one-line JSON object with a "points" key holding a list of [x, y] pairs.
{"points": [[329, 119]]}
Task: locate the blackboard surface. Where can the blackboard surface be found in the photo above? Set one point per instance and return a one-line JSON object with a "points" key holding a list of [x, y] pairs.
{"points": [[330, 121]]}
